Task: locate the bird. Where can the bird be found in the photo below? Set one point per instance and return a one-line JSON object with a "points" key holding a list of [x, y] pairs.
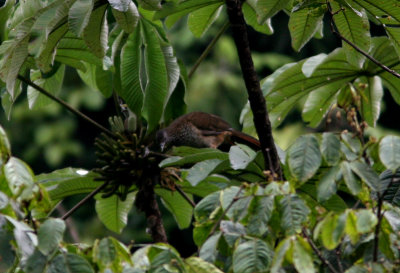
{"points": [[202, 130]]}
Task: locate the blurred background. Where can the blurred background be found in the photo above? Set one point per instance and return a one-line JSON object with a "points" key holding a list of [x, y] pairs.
{"points": [[52, 138]]}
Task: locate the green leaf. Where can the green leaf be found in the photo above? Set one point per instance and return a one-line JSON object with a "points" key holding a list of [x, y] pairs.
{"points": [[5, 11], [69, 262], [355, 28], [24, 236], [95, 33], [259, 213], [252, 256], [250, 16], [157, 79], [197, 265], [183, 7], [50, 235], [128, 19], [201, 170], [53, 85], [69, 181], [327, 185], [330, 148], [280, 253], [36, 263], [120, 5], [302, 258], [352, 183], [239, 158], [383, 51], [266, 8], [150, 4], [194, 155], [5, 148], [366, 221], [113, 212], [389, 152], [20, 178], [294, 212], [312, 63], [366, 173], [201, 19], [304, 157], [291, 84], [332, 230], [304, 23], [208, 250], [180, 208], [390, 183], [371, 93], [131, 90], [206, 206], [78, 16]]}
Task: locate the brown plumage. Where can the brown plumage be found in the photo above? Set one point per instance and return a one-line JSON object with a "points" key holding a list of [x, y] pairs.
{"points": [[201, 130]]}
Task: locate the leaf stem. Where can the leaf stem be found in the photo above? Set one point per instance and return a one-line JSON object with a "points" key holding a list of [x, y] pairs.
{"points": [[66, 105], [208, 49], [372, 59]]}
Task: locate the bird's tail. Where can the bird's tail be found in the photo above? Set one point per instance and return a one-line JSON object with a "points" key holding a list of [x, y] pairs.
{"points": [[243, 138]]}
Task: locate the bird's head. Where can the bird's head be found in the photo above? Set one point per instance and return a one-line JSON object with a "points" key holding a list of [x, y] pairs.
{"points": [[162, 140]]}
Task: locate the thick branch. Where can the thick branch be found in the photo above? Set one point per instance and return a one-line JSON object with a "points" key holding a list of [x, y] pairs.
{"points": [[256, 98]]}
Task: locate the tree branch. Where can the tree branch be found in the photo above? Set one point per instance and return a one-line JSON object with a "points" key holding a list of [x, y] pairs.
{"points": [[64, 104], [319, 254], [372, 59], [256, 98], [208, 49]]}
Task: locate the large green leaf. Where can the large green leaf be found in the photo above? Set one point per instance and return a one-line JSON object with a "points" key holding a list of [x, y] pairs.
{"points": [[292, 84], [201, 170], [79, 15], [95, 33], [128, 19], [366, 220], [268, 8], [252, 256], [294, 212], [113, 212], [201, 19], [371, 93], [180, 208], [304, 23], [304, 157], [183, 7], [280, 253], [250, 16], [355, 28], [67, 182], [390, 186], [389, 152], [5, 11], [157, 78]]}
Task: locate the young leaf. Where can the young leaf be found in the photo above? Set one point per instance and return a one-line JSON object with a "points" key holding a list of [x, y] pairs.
{"points": [[113, 212], [252, 256], [389, 152], [304, 157]]}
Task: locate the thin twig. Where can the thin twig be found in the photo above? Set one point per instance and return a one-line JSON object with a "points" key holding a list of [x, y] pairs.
{"points": [[84, 200], [185, 196], [235, 198], [372, 59], [338, 254], [208, 49], [319, 254], [66, 105]]}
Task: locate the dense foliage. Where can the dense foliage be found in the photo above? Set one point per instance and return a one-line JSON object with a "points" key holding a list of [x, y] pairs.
{"points": [[337, 209]]}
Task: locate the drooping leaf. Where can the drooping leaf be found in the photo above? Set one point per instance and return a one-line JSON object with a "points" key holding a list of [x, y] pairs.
{"points": [[113, 212], [252, 256], [180, 208], [389, 152], [371, 93], [95, 33], [304, 157], [79, 15], [128, 19]]}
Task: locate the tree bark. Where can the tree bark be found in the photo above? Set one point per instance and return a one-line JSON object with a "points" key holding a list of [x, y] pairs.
{"points": [[256, 98]]}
